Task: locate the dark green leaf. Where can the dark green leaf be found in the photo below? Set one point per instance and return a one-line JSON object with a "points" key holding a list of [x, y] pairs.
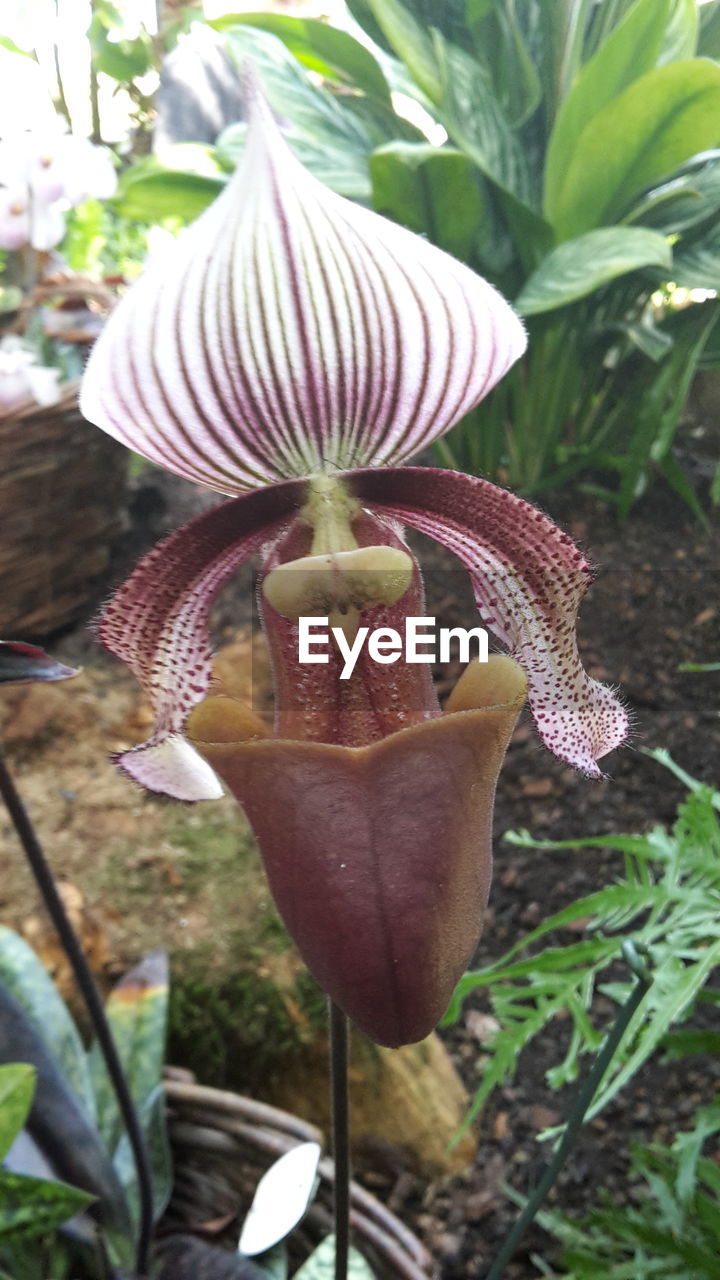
{"points": [[476, 122], [321, 1264], [680, 481], [578, 267], [629, 51], [153, 1123], [23, 976], [431, 190], [681, 32], [137, 1012], [152, 195], [679, 1044], [57, 1124], [709, 39], [274, 1262], [685, 200], [697, 265], [29, 1207], [330, 140], [17, 1086], [320, 47], [411, 43], [654, 126]]}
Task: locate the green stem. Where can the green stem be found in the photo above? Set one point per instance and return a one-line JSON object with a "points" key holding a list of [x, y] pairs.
{"points": [[582, 1103], [340, 1136]]}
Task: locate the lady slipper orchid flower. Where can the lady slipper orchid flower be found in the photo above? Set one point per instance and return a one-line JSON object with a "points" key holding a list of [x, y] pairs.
{"points": [[290, 351]]}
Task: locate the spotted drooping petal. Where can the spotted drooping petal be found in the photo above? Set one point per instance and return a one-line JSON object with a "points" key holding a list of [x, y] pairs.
{"points": [[158, 624], [529, 579], [290, 331]]}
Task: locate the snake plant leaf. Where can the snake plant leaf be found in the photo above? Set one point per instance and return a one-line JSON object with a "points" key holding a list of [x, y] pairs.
{"points": [[137, 1012], [57, 1123], [152, 1122], [654, 126], [30, 1207], [321, 1264], [630, 50], [578, 267], [23, 976], [17, 1086], [281, 1199]]}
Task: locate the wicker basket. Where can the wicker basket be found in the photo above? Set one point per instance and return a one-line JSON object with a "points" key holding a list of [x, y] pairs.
{"points": [[62, 501], [222, 1143]]}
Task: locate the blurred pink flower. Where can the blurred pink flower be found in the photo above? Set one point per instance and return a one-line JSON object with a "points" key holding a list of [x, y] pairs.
{"points": [[41, 177], [21, 379]]}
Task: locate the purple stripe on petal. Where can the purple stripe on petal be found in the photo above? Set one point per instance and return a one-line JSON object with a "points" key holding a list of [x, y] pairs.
{"points": [[529, 579], [157, 623], [289, 331]]}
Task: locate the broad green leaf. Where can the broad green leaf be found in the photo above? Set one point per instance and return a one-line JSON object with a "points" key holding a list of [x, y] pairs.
{"points": [[137, 1012], [681, 33], [330, 140], [659, 122], [578, 267], [697, 265], [629, 51], [476, 122], [24, 977], [321, 1264], [332, 53], [411, 43], [153, 195], [431, 190], [29, 1207], [17, 1086]]}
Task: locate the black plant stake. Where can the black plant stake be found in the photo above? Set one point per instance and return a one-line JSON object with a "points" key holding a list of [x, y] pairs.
{"points": [[340, 1136], [89, 992], [586, 1093]]}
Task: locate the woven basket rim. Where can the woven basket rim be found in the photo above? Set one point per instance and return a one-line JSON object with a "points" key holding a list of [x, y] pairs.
{"points": [[30, 408]]}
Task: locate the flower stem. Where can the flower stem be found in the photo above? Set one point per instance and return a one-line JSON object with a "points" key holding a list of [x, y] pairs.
{"points": [[582, 1103], [340, 1136], [89, 992]]}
